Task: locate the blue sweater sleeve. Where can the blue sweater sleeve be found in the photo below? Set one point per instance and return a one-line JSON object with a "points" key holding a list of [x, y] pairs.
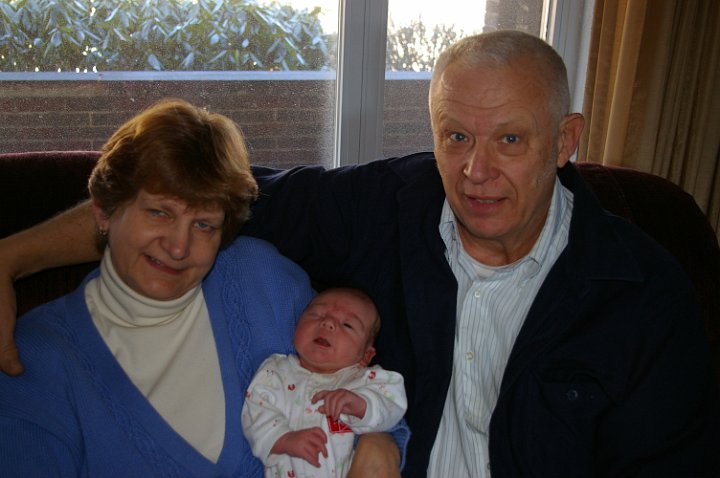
{"points": [[401, 434], [26, 449]]}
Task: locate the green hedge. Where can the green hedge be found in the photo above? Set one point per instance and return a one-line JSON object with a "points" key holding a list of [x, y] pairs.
{"points": [[160, 35]]}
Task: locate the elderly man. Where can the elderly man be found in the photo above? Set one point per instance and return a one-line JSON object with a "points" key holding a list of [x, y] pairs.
{"points": [[538, 335]]}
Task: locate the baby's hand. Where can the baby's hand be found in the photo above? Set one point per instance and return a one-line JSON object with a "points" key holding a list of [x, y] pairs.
{"points": [[340, 401], [305, 444]]}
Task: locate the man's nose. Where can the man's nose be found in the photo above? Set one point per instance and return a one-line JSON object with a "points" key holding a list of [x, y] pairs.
{"points": [[479, 166]]}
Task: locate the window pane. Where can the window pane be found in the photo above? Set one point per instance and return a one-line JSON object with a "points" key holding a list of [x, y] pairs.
{"points": [[418, 30], [68, 82]]}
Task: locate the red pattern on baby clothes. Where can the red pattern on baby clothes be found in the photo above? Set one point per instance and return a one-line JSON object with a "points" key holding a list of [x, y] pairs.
{"points": [[336, 426]]}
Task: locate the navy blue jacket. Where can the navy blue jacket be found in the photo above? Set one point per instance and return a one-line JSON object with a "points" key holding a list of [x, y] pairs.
{"points": [[610, 374]]}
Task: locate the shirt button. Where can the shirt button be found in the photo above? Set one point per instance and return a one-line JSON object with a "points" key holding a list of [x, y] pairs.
{"points": [[469, 355], [477, 293], [572, 395]]}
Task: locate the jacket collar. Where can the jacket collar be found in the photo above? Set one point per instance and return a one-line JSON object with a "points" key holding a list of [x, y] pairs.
{"points": [[598, 251], [595, 251]]}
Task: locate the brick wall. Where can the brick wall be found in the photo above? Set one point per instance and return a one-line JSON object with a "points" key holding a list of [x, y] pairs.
{"points": [[286, 122]]}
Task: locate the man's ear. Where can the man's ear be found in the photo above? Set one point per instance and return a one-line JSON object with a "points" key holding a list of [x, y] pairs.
{"points": [[571, 128], [368, 356]]}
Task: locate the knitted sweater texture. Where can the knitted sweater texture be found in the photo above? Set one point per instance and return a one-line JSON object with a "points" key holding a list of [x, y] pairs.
{"points": [[74, 412]]}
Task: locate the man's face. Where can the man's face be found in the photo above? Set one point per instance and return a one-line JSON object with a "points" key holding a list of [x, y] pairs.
{"points": [[497, 149]]}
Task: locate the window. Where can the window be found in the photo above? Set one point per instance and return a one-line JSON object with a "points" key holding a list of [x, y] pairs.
{"points": [[253, 62], [416, 36], [290, 113]]}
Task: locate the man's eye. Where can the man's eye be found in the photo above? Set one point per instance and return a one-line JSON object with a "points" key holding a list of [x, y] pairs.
{"points": [[457, 137], [510, 139]]}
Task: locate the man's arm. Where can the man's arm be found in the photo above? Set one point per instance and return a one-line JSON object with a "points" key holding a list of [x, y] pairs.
{"points": [[68, 238]]}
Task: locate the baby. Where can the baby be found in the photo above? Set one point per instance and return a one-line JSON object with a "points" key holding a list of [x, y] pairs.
{"points": [[302, 412]]}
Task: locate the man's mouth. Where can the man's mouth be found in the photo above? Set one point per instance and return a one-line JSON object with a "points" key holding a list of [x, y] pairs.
{"points": [[155, 261], [482, 199], [484, 204]]}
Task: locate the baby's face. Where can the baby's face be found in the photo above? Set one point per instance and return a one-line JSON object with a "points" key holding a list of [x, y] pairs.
{"points": [[334, 332]]}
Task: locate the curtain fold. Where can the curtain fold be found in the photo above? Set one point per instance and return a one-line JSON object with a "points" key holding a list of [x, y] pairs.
{"points": [[652, 100]]}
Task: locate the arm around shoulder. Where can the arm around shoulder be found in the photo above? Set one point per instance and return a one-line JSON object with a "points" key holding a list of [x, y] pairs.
{"points": [[65, 239]]}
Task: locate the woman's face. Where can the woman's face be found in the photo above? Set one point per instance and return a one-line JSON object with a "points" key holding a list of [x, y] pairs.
{"points": [[159, 246]]}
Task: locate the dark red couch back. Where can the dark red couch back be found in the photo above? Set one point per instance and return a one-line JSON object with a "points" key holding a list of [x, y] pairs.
{"points": [[36, 186]]}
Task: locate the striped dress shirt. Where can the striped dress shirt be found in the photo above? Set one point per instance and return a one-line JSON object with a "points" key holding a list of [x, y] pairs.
{"points": [[492, 303]]}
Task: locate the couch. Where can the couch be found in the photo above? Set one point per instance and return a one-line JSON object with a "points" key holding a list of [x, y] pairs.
{"points": [[37, 185]]}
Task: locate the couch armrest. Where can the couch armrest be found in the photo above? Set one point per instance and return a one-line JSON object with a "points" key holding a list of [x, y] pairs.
{"points": [[671, 217]]}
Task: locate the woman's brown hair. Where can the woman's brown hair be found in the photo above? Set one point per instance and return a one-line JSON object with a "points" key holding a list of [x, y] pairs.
{"points": [[176, 149]]}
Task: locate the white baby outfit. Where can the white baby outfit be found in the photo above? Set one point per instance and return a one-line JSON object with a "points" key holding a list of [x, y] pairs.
{"points": [[279, 400]]}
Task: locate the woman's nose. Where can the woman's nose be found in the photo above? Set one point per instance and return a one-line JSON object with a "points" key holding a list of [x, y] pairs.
{"points": [[177, 243]]}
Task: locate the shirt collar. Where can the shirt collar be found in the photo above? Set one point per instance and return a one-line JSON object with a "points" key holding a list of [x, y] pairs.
{"points": [[558, 216], [131, 309]]}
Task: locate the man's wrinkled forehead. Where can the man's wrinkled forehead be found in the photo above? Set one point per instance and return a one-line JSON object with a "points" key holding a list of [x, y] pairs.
{"points": [[489, 87]]}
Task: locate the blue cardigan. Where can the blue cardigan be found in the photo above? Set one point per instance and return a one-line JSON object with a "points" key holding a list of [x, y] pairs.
{"points": [[74, 412], [611, 372]]}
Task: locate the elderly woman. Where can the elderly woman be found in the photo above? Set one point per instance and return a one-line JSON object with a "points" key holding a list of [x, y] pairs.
{"points": [[143, 369]]}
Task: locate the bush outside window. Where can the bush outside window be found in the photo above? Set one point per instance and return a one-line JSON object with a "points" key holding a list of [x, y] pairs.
{"points": [[73, 70], [159, 35]]}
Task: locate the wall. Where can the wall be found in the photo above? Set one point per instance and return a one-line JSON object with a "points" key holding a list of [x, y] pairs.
{"points": [[286, 122]]}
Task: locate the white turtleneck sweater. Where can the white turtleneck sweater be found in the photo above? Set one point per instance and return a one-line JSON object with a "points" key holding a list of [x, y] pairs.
{"points": [[168, 350]]}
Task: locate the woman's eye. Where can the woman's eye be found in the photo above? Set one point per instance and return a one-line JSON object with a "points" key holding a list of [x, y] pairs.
{"points": [[204, 226], [157, 213]]}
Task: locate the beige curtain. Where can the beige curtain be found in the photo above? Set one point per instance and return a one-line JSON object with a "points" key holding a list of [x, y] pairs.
{"points": [[652, 100]]}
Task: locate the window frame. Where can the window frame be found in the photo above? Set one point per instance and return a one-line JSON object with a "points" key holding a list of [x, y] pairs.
{"points": [[360, 76], [362, 41]]}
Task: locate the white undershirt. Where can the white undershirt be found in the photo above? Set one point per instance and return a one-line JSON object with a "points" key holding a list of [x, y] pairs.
{"points": [[168, 350], [492, 304]]}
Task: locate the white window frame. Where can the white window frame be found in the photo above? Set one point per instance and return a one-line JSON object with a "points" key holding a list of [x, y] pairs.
{"points": [[361, 70], [362, 39]]}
